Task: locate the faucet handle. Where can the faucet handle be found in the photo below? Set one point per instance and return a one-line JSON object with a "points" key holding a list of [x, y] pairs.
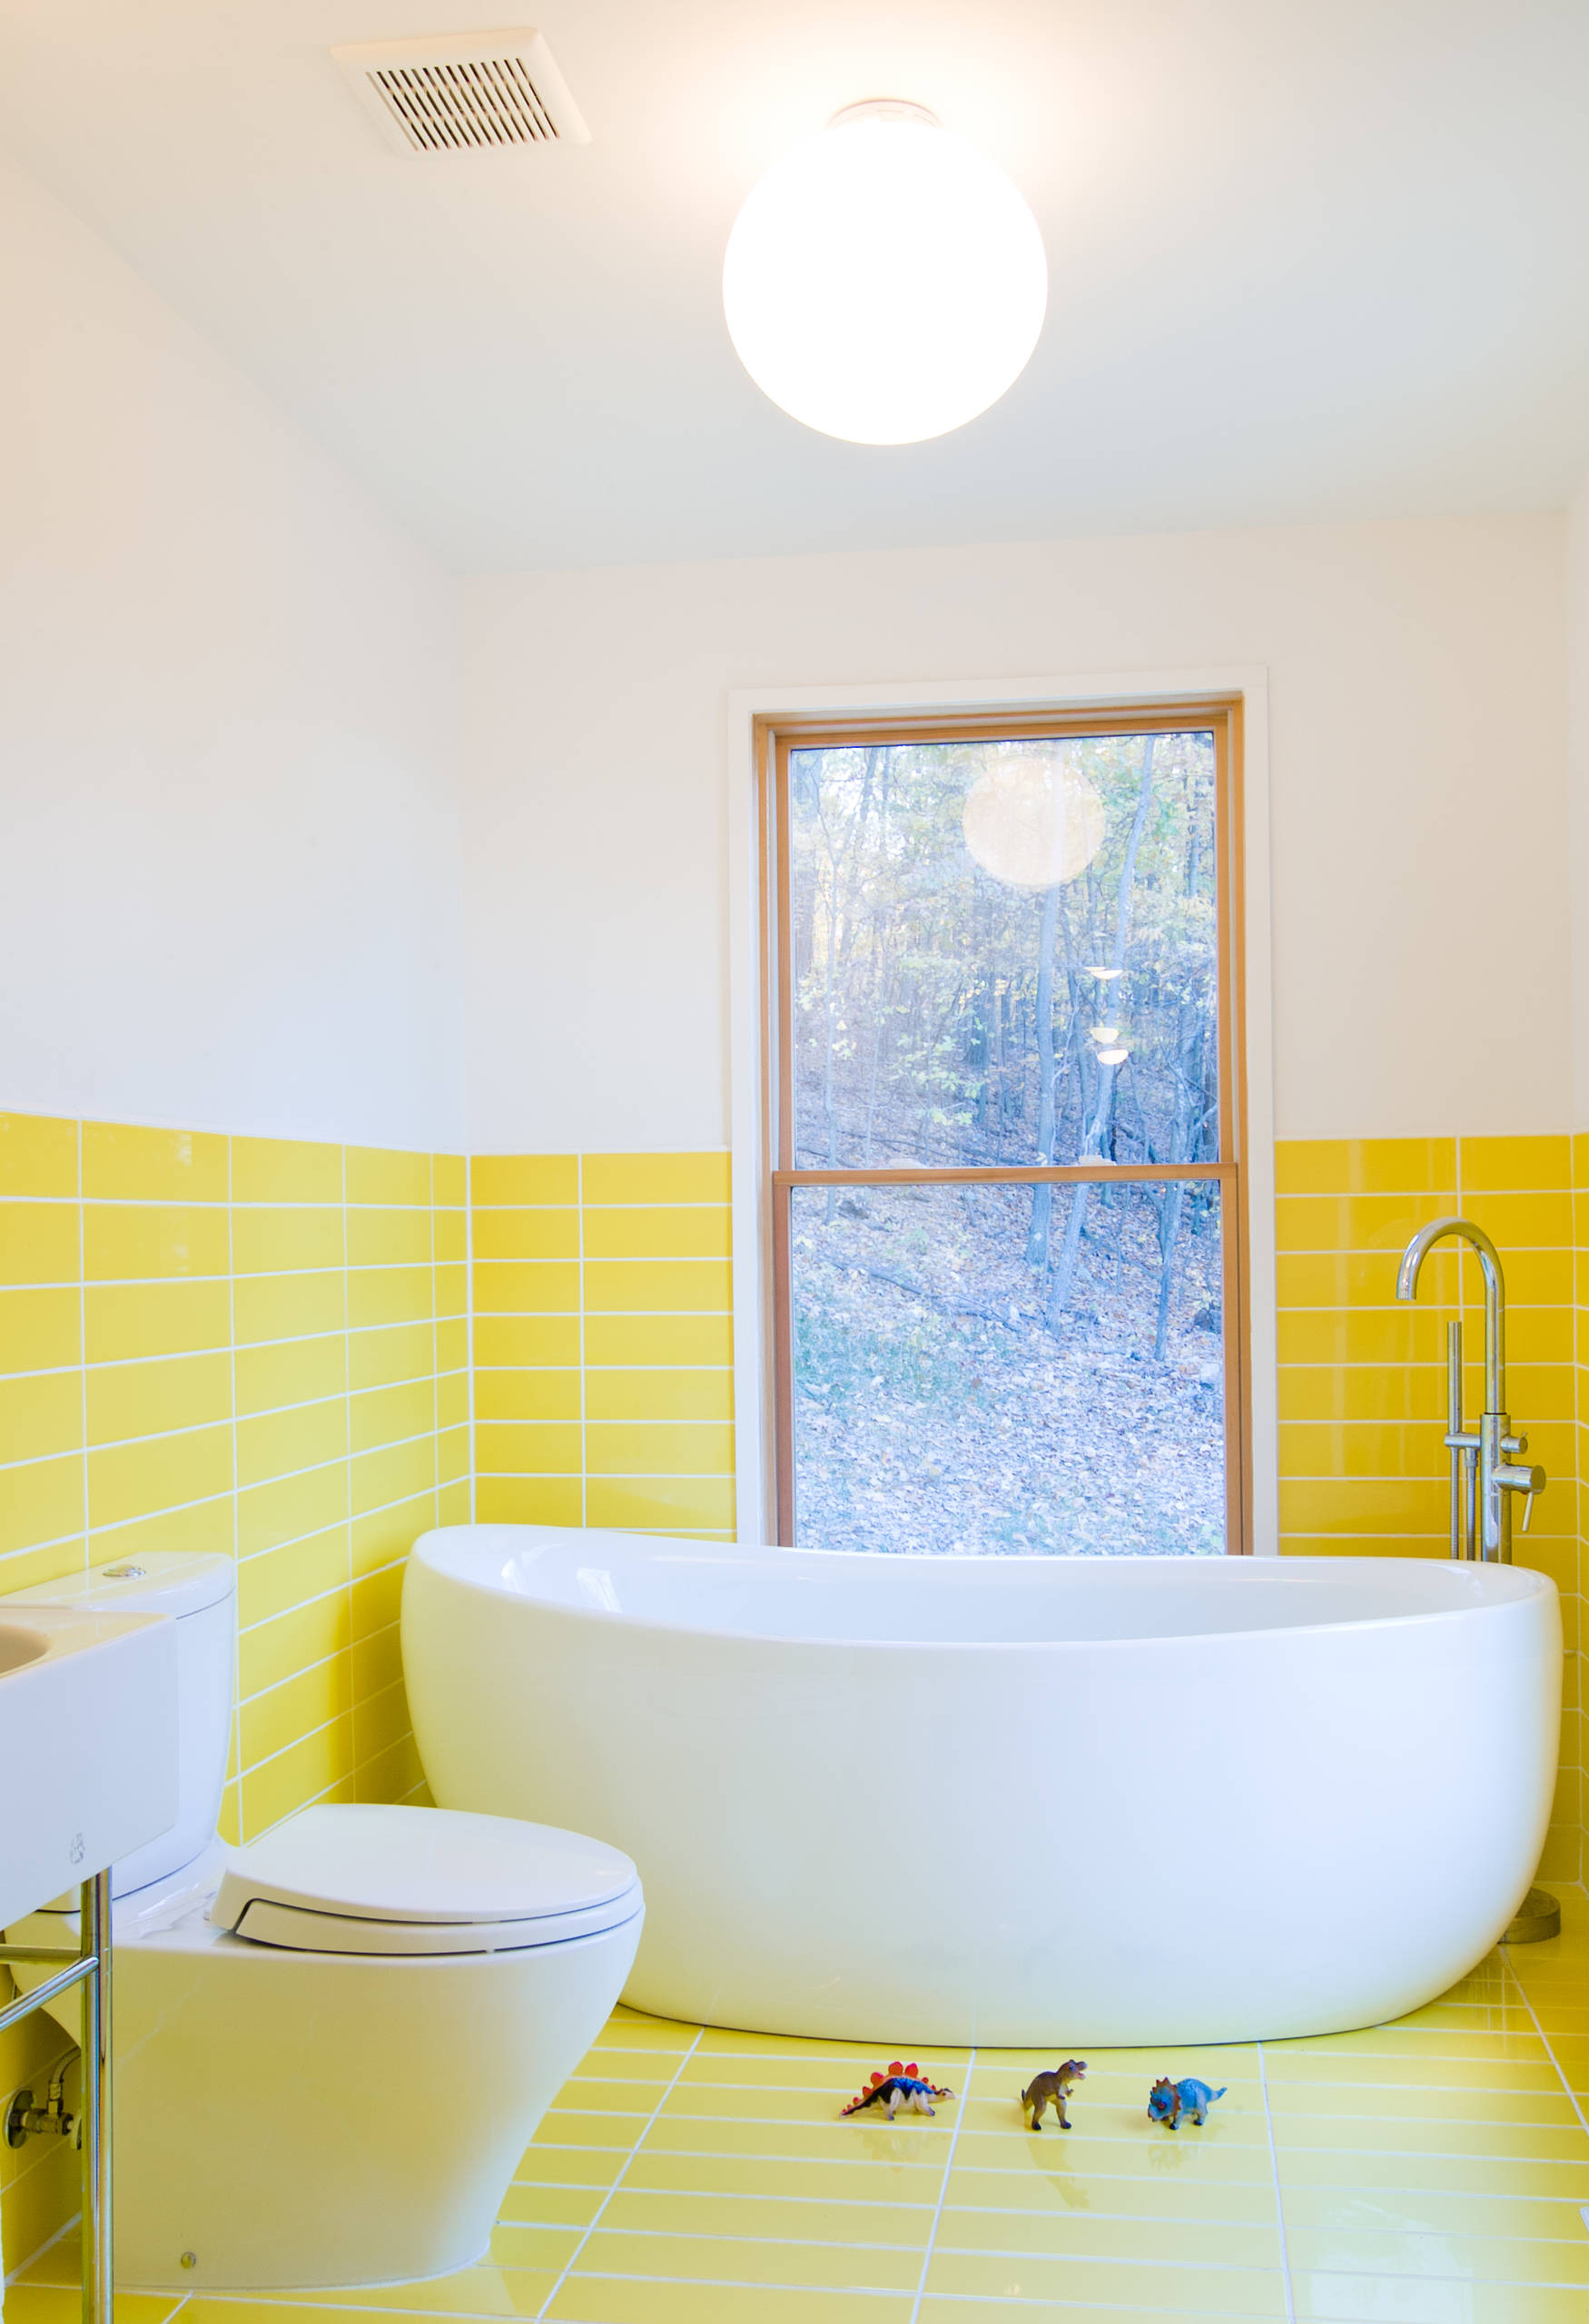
{"points": [[1519, 1443], [1529, 1483]]}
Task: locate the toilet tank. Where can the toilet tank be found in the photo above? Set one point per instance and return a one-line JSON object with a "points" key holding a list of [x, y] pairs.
{"points": [[197, 1588]]}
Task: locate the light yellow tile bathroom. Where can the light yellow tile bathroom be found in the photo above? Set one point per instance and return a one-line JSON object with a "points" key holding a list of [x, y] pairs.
{"points": [[794, 1163]]}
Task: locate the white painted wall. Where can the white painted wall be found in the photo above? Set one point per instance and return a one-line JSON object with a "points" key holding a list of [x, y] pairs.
{"points": [[1419, 800], [1578, 627], [229, 868]]}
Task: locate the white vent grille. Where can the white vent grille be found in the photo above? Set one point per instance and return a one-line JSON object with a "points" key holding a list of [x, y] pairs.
{"points": [[461, 93]]}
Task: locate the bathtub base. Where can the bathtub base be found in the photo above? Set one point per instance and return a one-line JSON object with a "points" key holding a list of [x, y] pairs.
{"points": [[1539, 1915]]}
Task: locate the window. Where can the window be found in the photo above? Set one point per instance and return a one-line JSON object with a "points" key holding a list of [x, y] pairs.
{"points": [[1003, 1118]]}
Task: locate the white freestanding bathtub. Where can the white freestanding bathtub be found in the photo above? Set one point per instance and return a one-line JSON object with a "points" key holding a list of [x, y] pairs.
{"points": [[1037, 1802]]}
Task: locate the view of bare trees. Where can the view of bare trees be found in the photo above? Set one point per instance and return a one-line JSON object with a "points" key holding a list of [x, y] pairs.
{"points": [[1006, 953]]}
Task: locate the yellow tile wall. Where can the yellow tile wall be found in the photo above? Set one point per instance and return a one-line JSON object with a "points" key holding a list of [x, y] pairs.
{"points": [[252, 1345], [1362, 1377], [604, 1388], [245, 1345]]}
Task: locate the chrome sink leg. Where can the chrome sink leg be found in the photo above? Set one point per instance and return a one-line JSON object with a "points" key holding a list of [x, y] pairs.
{"points": [[94, 1937]]}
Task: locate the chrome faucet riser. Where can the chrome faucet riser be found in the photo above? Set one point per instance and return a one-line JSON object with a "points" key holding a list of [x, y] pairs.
{"points": [[1485, 1477]]}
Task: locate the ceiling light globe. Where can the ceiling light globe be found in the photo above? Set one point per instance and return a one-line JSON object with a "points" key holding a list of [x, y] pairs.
{"points": [[884, 283]]}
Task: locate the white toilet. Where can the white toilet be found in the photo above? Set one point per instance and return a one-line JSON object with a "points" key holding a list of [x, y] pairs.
{"points": [[331, 2048]]}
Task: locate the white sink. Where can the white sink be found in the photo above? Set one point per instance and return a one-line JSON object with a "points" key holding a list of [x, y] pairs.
{"points": [[87, 1745]]}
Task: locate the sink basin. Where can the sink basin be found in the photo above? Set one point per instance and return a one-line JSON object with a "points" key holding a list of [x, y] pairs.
{"points": [[87, 1744], [19, 1645]]}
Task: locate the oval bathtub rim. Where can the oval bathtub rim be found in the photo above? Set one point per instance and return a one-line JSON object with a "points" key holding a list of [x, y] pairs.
{"points": [[1543, 1588]]}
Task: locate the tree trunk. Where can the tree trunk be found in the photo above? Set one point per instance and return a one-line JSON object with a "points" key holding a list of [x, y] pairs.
{"points": [[1093, 1143], [1169, 1233], [1043, 1198]]}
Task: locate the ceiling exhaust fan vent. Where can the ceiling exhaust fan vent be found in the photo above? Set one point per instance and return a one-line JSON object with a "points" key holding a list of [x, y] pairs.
{"points": [[460, 93]]}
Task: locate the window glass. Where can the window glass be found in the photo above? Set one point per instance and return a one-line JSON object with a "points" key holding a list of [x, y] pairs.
{"points": [[1005, 951], [945, 1398]]}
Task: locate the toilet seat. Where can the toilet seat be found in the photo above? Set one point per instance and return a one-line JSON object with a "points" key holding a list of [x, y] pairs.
{"points": [[407, 1881]]}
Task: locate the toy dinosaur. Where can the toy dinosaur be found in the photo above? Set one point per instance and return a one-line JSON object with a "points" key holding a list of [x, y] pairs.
{"points": [[1055, 2085], [900, 2086], [1169, 2101]]}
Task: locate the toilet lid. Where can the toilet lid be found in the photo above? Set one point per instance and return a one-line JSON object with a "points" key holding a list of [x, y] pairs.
{"points": [[369, 1879]]}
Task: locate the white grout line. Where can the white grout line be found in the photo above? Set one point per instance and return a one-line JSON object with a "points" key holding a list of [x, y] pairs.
{"points": [[250, 1347], [1550, 2053], [50, 2241], [959, 2106], [617, 2182], [1280, 2198]]}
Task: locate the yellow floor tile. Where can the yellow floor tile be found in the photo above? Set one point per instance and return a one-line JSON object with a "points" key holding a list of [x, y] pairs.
{"points": [[721, 2040], [860, 2176], [1302, 2079], [697, 2259], [1499, 2015], [1325, 2297], [539, 2244], [1172, 2289], [1004, 2312], [1432, 2172], [773, 2219], [1420, 2049], [626, 2029], [1389, 2137], [484, 2290], [1404, 2252], [1134, 2151], [28, 2303], [1358, 2168], [1082, 2236], [805, 2070], [550, 2164], [814, 2142], [552, 2206], [566, 2127], [587, 2095], [1159, 2195], [613, 2299], [1429, 2210], [726, 2103], [1544, 2103]]}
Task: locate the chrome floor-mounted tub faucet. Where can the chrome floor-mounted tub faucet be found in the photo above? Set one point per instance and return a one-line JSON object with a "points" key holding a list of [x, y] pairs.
{"points": [[1484, 1475]]}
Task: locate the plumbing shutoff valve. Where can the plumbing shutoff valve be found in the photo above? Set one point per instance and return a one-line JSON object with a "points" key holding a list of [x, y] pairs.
{"points": [[53, 2120]]}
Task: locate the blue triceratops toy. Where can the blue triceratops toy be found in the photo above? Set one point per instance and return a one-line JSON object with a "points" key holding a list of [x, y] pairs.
{"points": [[1169, 2101]]}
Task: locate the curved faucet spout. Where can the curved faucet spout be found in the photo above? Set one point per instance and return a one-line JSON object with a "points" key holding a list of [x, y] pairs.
{"points": [[1406, 1284]]}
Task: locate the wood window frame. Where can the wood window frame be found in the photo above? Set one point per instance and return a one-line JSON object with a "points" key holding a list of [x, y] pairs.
{"points": [[1221, 714]]}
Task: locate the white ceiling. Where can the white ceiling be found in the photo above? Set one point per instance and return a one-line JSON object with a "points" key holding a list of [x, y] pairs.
{"points": [[1307, 261]]}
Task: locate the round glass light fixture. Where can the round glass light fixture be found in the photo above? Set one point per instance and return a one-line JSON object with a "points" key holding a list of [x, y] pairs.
{"points": [[1031, 817], [884, 282]]}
